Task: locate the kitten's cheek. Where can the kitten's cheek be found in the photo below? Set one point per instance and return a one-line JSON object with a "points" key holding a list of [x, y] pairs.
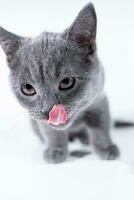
{"points": [[57, 115]]}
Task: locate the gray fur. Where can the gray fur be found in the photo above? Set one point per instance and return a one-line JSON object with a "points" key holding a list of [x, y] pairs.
{"points": [[46, 60]]}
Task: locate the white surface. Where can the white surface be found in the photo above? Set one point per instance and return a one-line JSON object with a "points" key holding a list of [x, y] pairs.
{"points": [[23, 173]]}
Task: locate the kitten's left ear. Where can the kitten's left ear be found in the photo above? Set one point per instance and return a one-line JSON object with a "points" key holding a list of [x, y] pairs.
{"points": [[83, 30], [10, 43]]}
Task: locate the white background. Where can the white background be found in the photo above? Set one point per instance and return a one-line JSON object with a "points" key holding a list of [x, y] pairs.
{"points": [[23, 172]]}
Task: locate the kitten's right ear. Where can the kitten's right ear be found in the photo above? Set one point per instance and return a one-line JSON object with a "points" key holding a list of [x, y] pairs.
{"points": [[83, 29], [10, 43]]}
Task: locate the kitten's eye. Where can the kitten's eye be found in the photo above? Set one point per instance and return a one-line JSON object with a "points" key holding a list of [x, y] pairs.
{"points": [[28, 90], [67, 83]]}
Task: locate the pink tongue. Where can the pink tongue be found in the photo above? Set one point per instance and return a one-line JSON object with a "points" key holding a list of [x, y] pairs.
{"points": [[57, 115]]}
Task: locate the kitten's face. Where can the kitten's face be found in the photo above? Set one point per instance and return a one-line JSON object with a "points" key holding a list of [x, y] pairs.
{"points": [[56, 69]]}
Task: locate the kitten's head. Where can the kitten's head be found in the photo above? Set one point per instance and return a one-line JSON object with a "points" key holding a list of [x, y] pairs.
{"points": [[56, 68]]}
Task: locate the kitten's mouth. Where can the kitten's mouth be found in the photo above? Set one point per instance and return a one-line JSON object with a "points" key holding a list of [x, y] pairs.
{"points": [[57, 115]]}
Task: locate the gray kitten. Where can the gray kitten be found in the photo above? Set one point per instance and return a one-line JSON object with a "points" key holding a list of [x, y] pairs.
{"points": [[59, 75]]}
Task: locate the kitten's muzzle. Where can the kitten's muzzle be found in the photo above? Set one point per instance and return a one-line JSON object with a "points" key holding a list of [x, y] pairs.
{"points": [[57, 115], [45, 115]]}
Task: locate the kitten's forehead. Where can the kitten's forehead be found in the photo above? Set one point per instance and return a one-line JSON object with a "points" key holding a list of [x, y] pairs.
{"points": [[48, 51], [55, 50]]}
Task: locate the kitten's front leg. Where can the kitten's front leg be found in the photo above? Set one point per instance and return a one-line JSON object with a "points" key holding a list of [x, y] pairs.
{"points": [[99, 121], [103, 145], [57, 145]]}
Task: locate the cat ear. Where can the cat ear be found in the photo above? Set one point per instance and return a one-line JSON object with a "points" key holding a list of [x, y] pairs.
{"points": [[83, 30], [10, 43]]}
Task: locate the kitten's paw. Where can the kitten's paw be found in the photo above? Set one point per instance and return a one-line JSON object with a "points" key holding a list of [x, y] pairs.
{"points": [[56, 155], [111, 153]]}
